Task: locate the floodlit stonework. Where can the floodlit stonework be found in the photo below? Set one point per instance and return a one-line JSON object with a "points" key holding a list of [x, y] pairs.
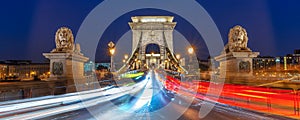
{"points": [[64, 40], [236, 59], [237, 40], [66, 61], [152, 29], [148, 30]]}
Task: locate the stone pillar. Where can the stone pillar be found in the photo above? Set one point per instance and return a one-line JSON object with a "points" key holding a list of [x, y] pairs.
{"points": [[66, 61], [236, 64], [236, 59], [67, 67]]}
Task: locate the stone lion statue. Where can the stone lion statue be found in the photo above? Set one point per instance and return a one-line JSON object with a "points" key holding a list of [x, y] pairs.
{"points": [[238, 40], [64, 40]]}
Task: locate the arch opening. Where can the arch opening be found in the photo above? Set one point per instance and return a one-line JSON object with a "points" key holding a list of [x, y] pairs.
{"points": [[152, 48], [153, 54]]}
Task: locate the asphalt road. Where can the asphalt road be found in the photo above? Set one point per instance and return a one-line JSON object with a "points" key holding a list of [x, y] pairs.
{"points": [[152, 102]]}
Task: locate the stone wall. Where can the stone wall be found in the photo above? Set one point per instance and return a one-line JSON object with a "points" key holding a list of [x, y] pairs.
{"points": [[23, 90]]}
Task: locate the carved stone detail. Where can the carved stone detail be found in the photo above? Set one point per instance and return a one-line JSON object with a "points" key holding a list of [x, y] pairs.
{"points": [[238, 40], [64, 40], [244, 66], [57, 68]]}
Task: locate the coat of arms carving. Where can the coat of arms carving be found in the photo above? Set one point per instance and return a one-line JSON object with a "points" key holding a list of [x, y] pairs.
{"points": [[244, 66], [57, 68]]}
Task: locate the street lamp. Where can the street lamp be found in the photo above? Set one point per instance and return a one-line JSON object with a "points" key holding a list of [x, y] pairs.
{"points": [[126, 56], [178, 56], [190, 51], [112, 50]]}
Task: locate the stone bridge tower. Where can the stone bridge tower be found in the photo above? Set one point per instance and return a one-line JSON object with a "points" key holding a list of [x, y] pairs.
{"points": [[152, 30]]}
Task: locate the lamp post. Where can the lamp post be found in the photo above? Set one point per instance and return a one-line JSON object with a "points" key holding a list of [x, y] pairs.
{"points": [[178, 56], [126, 56], [190, 51], [111, 47]]}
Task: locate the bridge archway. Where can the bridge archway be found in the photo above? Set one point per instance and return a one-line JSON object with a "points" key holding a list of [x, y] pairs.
{"points": [[153, 53], [152, 33], [152, 48]]}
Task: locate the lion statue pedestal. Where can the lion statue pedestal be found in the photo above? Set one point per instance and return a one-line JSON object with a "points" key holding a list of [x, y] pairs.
{"points": [[236, 58], [66, 61], [236, 65]]}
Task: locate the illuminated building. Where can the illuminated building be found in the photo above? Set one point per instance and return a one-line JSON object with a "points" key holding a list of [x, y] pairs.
{"points": [[285, 63], [267, 62], [263, 62], [103, 65], [3, 70], [23, 69], [296, 55], [290, 61], [277, 60], [89, 67]]}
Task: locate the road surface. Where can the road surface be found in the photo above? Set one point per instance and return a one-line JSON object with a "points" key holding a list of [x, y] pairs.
{"points": [[152, 102]]}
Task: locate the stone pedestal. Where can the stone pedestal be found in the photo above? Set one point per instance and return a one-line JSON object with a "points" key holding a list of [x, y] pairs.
{"points": [[67, 67], [236, 65]]}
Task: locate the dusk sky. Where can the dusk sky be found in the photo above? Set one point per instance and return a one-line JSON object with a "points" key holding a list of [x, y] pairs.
{"points": [[28, 27]]}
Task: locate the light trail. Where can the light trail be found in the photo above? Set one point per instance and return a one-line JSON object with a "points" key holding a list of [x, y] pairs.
{"points": [[141, 96], [254, 91], [247, 95], [74, 101]]}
